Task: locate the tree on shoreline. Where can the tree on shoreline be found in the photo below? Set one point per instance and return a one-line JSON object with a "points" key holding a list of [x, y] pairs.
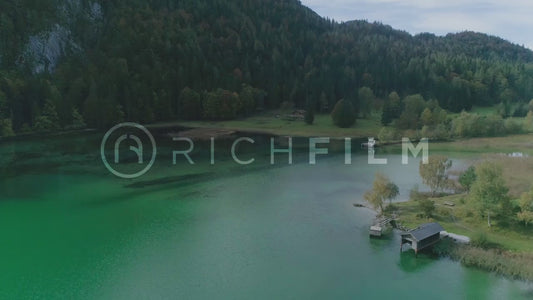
{"points": [[489, 191], [382, 189]]}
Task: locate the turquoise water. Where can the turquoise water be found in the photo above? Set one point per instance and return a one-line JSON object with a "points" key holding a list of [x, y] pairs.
{"points": [[71, 230]]}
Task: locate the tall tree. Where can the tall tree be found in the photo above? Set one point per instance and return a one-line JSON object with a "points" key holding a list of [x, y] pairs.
{"points": [[435, 173], [489, 191]]}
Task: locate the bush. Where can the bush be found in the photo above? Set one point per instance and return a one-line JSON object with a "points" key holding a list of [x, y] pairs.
{"points": [[474, 125], [466, 125], [427, 207], [512, 126], [343, 114], [480, 240]]}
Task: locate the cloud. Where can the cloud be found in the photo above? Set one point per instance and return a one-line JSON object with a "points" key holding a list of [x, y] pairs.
{"points": [[509, 19]]}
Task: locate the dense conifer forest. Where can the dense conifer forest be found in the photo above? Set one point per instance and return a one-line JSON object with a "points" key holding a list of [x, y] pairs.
{"points": [[160, 60]]}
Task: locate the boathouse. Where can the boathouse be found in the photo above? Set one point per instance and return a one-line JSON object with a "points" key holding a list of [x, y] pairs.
{"points": [[422, 237]]}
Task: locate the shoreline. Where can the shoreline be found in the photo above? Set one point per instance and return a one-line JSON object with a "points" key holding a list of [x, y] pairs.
{"points": [[474, 145], [512, 264]]}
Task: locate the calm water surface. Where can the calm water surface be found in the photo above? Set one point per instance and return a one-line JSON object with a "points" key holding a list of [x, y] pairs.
{"points": [[69, 229]]}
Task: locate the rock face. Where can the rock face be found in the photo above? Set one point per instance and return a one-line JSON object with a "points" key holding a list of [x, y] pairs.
{"points": [[44, 49]]}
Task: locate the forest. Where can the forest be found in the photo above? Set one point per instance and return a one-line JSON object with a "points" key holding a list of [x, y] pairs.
{"points": [[157, 60]]}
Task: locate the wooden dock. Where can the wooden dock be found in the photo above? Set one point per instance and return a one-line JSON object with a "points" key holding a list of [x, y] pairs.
{"points": [[377, 229]]}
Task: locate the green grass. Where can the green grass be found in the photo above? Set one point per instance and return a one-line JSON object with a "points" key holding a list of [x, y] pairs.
{"points": [[484, 111], [506, 144], [268, 123], [481, 110]]}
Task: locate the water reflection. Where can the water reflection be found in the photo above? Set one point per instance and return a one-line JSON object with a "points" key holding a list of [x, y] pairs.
{"points": [[409, 262]]}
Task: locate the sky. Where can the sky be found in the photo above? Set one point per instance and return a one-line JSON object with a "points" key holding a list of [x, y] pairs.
{"points": [[509, 19]]}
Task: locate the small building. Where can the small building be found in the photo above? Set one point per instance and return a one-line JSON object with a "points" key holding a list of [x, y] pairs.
{"points": [[381, 227], [422, 237], [376, 231]]}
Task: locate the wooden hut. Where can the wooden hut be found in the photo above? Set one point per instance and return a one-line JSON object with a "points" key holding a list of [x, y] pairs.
{"points": [[422, 237]]}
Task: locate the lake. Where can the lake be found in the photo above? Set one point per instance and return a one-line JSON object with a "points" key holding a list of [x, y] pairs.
{"points": [[70, 229]]}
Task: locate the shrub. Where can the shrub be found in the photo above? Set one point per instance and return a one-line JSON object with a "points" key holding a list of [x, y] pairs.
{"points": [[427, 207], [343, 114], [473, 125], [512, 126], [480, 240], [466, 125]]}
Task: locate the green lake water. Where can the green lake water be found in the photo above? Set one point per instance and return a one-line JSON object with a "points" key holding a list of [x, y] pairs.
{"points": [[71, 230]]}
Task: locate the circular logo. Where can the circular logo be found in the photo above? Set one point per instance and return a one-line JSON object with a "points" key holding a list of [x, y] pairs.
{"points": [[137, 149]]}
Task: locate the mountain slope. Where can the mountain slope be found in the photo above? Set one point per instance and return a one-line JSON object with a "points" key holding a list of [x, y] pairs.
{"points": [[131, 60]]}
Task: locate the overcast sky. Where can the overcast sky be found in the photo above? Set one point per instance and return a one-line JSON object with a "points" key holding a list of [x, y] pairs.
{"points": [[509, 19]]}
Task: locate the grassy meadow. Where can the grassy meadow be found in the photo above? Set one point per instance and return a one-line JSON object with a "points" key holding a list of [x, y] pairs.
{"points": [[272, 122]]}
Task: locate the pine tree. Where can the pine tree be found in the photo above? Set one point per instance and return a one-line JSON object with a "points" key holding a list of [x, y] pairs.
{"points": [[48, 120]]}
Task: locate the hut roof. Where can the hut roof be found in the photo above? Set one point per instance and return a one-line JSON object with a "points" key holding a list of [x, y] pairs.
{"points": [[425, 231]]}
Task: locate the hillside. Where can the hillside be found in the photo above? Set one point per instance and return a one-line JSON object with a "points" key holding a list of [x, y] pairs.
{"points": [[65, 62]]}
